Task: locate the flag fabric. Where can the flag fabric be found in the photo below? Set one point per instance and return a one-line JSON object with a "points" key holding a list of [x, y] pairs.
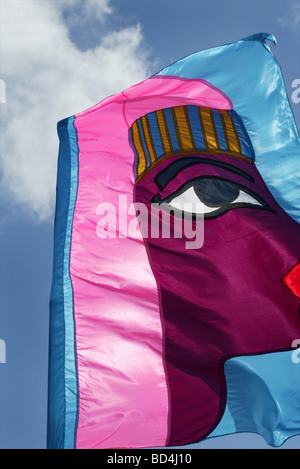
{"points": [[154, 344]]}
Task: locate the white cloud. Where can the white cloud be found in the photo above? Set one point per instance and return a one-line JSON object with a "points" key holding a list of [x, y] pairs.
{"points": [[97, 8], [291, 18], [48, 78]]}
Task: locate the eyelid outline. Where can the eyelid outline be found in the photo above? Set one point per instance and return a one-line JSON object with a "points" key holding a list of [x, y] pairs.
{"points": [[222, 210], [192, 161]]}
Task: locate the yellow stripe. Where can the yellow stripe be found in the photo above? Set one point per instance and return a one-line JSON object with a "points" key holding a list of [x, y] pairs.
{"points": [[231, 136], [148, 139], [209, 131], [185, 136], [136, 138], [164, 132]]}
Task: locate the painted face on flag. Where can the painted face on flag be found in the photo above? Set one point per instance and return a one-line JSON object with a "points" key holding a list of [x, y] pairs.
{"points": [[227, 297]]}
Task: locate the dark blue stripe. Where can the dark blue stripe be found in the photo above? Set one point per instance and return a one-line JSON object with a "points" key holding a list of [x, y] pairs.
{"points": [[136, 157], [144, 143], [196, 127], [61, 301], [56, 392], [171, 127], [155, 135], [220, 130], [246, 145]]}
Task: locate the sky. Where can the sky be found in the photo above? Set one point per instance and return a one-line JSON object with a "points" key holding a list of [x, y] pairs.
{"points": [[57, 58]]}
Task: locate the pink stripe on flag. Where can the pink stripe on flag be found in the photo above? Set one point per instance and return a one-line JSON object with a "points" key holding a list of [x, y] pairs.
{"points": [[123, 394]]}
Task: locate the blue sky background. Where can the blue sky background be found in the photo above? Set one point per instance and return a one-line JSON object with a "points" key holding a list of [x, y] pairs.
{"points": [[59, 58]]}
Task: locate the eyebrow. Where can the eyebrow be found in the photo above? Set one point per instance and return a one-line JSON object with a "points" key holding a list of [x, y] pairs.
{"points": [[171, 171]]}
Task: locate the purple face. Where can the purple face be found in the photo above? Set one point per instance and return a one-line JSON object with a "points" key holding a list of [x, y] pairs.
{"points": [[226, 298]]}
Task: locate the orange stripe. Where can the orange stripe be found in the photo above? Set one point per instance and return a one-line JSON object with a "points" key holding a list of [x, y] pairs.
{"points": [[232, 138], [185, 136], [164, 131], [137, 141], [148, 139], [209, 131]]}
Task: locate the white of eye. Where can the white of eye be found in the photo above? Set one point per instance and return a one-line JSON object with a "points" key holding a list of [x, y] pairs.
{"points": [[189, 202], [246, 198]]}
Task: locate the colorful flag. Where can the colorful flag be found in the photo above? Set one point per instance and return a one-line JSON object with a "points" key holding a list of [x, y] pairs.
{"points": [[175, 298]]}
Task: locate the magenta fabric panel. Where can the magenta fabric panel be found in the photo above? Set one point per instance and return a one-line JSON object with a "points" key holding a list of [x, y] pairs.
{"points": [[210, 314]]}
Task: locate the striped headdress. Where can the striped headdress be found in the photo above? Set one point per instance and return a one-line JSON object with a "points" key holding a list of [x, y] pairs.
{"points": [[186, 130]]}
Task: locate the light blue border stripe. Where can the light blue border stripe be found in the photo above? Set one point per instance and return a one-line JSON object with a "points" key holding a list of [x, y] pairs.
{"points": [[62, 381], [273, 410], [70, 352]]}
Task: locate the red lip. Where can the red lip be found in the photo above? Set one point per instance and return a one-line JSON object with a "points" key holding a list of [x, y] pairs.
{"points": [[292, 280]]}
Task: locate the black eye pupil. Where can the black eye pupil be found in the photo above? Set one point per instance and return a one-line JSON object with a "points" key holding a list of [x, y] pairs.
{"points": [[215, 192]]}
